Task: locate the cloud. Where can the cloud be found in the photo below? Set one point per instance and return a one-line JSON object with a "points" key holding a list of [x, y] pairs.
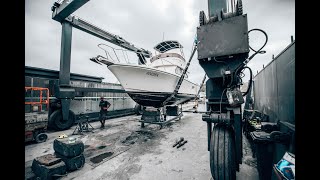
{"points": [[143, 23]]}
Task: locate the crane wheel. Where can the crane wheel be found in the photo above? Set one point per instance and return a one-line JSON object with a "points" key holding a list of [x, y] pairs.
{"points": [[57, 121], [222, 153]]}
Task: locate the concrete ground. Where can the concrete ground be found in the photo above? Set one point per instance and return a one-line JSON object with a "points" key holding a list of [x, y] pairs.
{"points": [[124, 150]]}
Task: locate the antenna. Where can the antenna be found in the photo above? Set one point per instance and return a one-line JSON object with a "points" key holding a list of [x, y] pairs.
{"points": [[162, 36]]}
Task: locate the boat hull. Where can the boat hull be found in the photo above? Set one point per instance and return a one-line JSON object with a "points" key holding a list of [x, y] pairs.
{"points": [[150, 87], [156, 99]]}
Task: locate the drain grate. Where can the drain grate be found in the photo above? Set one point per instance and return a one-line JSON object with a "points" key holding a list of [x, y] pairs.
{"points": [[99, 158]]}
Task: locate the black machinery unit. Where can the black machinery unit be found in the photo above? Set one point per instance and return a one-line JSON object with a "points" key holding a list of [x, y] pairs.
{"points": [[223, 52]]}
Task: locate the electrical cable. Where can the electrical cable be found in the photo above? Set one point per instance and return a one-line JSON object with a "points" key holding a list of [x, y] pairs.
{"points": [[214, 58], [250, 81], [256, 52], [259, 51], [221, 99]]}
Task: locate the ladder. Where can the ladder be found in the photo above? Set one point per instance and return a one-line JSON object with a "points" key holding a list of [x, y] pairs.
{"points": [[204, 78]]}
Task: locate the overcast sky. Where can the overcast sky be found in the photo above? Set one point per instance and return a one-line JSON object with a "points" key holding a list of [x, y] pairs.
{"points": [[145, 23]]}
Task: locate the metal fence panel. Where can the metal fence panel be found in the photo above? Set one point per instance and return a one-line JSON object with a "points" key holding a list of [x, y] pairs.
{"points": [[286, 85], [274, 87]]}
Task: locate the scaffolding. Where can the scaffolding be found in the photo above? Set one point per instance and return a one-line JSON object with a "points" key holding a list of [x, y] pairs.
{"points": [[37, 97]]}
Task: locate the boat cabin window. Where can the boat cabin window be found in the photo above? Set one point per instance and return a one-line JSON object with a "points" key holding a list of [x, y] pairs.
{"points": [[159, 56]]}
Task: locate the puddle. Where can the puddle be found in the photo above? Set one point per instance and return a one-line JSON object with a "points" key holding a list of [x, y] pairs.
{"points": [[146, 133], [101, 147], [138, 136], [101, 157], [129, 138]]}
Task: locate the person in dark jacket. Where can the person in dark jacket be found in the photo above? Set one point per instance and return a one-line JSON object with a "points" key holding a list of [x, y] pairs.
{"points": [[104, 105]]}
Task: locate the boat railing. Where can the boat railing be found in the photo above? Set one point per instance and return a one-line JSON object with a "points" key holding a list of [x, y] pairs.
{"points": [[114, 56]]}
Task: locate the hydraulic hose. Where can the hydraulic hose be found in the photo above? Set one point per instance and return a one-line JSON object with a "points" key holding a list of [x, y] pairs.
{"points": [[258, 51], [250, 81], [255, 52]]}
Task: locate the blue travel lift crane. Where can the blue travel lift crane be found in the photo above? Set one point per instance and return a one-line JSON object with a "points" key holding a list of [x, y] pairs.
{"points": [[60, 115]]}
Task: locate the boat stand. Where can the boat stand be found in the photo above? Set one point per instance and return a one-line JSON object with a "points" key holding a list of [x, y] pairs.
{"points": [[159, 115], [83, 125]]}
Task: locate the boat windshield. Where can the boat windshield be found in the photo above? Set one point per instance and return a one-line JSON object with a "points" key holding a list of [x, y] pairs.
{"points": [[165, 46]]}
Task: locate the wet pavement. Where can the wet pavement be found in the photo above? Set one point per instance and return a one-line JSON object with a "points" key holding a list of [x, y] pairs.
{"points": [[123, 150]]}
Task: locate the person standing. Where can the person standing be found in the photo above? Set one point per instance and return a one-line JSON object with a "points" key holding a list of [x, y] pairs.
{"points": [[104, 105]]}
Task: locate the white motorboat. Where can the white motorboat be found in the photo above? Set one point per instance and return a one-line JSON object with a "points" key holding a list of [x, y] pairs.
{"points": [[152, 83]]}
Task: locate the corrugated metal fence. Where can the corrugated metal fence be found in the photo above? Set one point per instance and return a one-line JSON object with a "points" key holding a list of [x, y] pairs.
{"points": [[274, 87]]}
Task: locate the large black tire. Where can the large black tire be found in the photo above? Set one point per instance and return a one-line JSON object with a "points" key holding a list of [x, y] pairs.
{"points": [[48, 172], [222, 153], [56, 121], [42, 137], [68, 149], [51, 124], [73, 163], [138, 109], [54, 105]]}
